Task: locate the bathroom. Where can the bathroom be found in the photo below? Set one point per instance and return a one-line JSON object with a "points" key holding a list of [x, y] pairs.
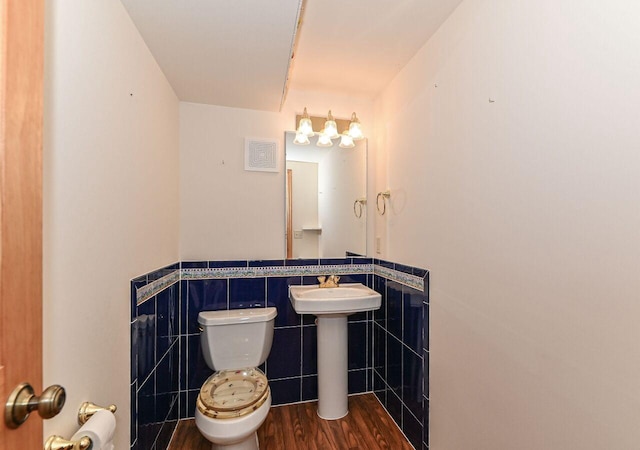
{"points": [[508, 143]]}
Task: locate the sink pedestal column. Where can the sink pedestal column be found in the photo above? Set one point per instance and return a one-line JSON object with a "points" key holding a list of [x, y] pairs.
{"points": [[333, 402]]}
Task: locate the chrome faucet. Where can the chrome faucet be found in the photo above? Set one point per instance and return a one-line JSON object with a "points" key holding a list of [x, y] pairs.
{"points": [[329, 282]]}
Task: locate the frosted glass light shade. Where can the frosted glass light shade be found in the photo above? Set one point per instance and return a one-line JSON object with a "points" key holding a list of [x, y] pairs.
{"points": [[301, 139], [355, 130], [324, 140], [305, 126], [346, 141], [330, 127]]}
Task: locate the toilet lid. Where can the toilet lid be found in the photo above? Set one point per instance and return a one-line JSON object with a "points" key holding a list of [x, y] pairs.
{"points": [[233, 393]]}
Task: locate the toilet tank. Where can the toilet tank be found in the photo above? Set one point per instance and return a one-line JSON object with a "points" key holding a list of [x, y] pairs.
{"points": [[236, 338]]}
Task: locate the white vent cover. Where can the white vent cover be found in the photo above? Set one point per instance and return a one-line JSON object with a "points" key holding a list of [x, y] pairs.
{"points": [[261, 155]]}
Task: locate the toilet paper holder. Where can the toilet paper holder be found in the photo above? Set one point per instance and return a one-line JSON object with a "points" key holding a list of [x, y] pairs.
{"points": [[59, 443], [86, 410]]}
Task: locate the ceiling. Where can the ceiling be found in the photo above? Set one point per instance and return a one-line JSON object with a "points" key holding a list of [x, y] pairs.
{"points": [[358, 46], [238, 53]]}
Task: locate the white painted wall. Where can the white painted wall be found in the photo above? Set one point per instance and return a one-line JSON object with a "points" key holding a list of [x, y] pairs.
{"points": [[225, 211], [342, 180], [110, 199], [526, 211]]}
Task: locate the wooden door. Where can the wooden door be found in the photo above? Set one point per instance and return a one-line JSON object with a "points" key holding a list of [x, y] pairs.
{"points": [[21, 98]]}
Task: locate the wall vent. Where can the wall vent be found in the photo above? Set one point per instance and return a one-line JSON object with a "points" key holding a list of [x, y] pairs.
{"points": [[261, 155]]}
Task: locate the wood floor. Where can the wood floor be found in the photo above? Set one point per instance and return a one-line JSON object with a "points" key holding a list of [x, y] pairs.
{"points": [[367, 426]]}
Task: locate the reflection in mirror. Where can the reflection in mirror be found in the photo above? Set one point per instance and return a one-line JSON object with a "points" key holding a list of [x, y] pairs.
{"points": [[325, 193]]}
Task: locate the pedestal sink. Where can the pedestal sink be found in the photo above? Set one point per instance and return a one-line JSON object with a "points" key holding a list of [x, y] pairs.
{"points": [[332, 306]]}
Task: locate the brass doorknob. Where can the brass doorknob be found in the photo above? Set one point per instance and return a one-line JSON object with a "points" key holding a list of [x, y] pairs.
{"points": [[23, 402]]}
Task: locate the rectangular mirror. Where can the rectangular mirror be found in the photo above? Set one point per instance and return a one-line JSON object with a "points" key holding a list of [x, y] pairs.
{"points": [[325, 199]]}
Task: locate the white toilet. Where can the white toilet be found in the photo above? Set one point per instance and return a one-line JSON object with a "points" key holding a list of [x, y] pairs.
{"points": [[235, 400]]}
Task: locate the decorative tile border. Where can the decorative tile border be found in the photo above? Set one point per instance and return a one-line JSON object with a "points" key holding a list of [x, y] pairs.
{"points": [[144, 293], [222, 272], [403, 278], [275, 271]]}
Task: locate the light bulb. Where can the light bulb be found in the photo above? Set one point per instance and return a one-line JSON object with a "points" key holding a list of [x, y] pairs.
{"points": [[346, 141], [330, 127], [301, 139], [324, 140], [305, 126], [355, 130]]}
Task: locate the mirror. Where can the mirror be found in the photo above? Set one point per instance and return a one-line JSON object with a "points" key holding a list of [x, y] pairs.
{"points": [[326, 210]]}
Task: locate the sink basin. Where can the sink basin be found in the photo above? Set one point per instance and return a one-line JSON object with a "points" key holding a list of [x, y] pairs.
{"points": [[348, 298], [332, 306]]}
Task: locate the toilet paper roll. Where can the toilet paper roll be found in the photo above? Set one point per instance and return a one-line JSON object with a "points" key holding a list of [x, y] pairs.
{"points": [[100, 428]]}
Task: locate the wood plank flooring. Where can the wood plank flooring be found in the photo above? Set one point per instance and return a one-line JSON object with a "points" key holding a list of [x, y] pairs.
{"points": [[367, 426]]}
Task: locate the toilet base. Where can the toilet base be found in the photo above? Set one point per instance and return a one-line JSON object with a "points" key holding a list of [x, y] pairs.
{"points": [[250, 443]]}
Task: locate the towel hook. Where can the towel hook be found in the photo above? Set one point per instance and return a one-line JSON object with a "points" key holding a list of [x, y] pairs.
{"points": [[385, 195]]}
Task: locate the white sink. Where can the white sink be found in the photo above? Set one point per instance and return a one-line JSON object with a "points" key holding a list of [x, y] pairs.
{"points": [[348, 298], [332, 306]]}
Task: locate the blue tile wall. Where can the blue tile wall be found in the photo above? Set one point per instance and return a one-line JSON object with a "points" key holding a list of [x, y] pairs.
{"points": [[401, 352], [291, 367], [277, 289], [155, 361], [388, 348], [246, 292]]}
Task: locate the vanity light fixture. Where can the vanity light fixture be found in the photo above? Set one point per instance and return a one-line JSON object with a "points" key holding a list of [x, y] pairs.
{"points": [[355, 130], [330, 127], [346, 141], [305, 126], [329, 130]]}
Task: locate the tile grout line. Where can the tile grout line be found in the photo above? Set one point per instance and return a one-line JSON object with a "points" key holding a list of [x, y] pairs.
{"points": [[301, 359]]}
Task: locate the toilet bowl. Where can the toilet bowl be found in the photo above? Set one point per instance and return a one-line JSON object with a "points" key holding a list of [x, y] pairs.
{"points": [[239, 433], [235, 400]]}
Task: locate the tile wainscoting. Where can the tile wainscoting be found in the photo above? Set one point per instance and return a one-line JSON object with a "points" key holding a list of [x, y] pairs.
{"points": [[401, 350], [155, 357], [388, 349]]}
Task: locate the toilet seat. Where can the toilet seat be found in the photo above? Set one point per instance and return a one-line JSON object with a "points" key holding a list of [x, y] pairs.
{"points": [[233, 393]]}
